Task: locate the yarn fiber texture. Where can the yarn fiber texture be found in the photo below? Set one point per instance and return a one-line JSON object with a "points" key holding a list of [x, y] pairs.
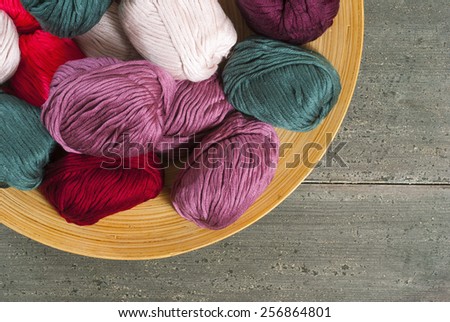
{"points": [[67, 18], [103, 105], [197, 108], [24, 22], [225, 176], [188, 38], [9, 47], [281, 84], [293, 21], [41, 55], [84, 189], [107, 38], [25, 145]]}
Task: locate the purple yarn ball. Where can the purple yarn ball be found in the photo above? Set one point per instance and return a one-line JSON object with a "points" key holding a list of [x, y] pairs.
{"points": [[107, 107], [294, 21], [103, 106], [197, 108], [228, 172]]}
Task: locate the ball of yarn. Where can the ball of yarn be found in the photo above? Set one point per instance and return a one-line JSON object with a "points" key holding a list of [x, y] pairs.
{"points": [[196, 109], [41, 55], [85, 189], [9, 48], [25, 144], [67, 18], [107, 38], [281, 84], [294, 21], [188, 38], [99, 106], [24, 22], [227, 173]]}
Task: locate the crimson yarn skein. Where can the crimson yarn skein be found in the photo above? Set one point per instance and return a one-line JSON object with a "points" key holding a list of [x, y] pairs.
{"points": [[225, 176], [41, 55], [104, 105], [85, 189], [24, 21], [294, 21]]}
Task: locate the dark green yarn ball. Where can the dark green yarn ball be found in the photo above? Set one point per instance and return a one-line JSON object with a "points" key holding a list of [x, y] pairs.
{"points": [[25, 144], [67, 18], [280, 84]]}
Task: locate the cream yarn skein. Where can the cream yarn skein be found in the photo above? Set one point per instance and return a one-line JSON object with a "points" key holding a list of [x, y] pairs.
{"points": [[188, 38], [9, 47], [107, 38]]}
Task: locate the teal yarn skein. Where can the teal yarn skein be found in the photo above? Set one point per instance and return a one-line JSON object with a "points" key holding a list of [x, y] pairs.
{"points": [[25, 145], [67, 18], [284, 85]]}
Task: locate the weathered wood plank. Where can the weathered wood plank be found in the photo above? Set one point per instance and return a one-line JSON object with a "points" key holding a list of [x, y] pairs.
{"points": [[398, 126], [326, 242]]}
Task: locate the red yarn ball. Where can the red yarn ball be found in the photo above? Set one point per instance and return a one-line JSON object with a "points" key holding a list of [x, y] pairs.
{"points": [[41, 55], [24, 21], [85, 189]]}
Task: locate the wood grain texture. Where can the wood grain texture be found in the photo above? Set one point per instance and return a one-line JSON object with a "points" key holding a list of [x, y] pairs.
{"points": [[362, 243], [398, 127], [153, 229]]}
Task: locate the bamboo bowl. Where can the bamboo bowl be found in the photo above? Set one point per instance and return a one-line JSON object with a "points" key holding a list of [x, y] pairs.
{"points": [[154, 230]]}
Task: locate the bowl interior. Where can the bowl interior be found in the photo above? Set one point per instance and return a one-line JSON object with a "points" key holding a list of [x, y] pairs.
{"points": [[154, 230]]}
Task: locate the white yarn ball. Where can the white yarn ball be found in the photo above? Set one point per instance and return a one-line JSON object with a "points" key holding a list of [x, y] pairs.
{"points": [[9, 47], [107, 38], [188, 38]]}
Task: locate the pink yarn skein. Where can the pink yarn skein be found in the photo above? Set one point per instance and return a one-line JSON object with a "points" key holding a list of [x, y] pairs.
{"points": [[230, 170], [105, 106]]}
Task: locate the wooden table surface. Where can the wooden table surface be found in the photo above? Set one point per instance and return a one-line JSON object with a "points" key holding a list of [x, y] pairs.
{"points": [[375, 229]]}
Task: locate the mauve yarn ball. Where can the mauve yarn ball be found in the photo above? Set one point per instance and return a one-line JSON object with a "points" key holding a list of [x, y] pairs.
{"points": [[9, 48], [84, 189], [281, 84], [188, 38], [41, 55], [25, 145], [103, 106], [107, 38], [196, 109], [293, 21], [228, 172], [25, 23], [67, 18]]}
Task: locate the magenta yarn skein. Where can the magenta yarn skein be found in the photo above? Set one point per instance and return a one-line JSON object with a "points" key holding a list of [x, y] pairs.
{"points": [[196, 109], [103, 106], [228, 173], [294, 21]]}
